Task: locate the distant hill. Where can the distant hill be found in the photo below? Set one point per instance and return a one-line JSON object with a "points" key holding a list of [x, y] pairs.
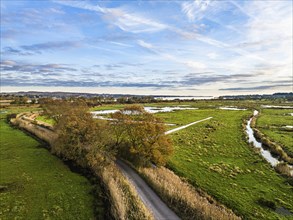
{"points": [[282, 95]]}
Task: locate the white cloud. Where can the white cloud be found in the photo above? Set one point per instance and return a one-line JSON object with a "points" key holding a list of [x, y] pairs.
{"points": [[126, 21], [195, 9], [194, 65], [269, 34], [145, 44]]}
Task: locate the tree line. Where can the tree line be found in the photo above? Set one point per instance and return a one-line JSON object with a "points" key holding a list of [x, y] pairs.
{"points": [[132, 134]]}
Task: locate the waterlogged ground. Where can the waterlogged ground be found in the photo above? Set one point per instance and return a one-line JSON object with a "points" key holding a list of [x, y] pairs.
{"points": [[36, 185], [275, 123]]}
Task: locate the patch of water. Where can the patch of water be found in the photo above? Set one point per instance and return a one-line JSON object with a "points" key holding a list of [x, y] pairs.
{"points": [[104, 112], [277, 106], [184, 97], [283, 211], [103, 118], [288, 126], [233, 108], [265, 153], [166, 109], [152, 110]]}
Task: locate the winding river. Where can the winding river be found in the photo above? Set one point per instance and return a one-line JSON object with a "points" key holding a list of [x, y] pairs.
{"points": [[265, 153]]}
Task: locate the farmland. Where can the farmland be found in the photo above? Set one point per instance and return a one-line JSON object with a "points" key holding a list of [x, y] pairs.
{"points": [[37, 185]]}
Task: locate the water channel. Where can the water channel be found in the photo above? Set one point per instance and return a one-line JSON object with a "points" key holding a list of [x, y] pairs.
{"points": [[265, 153]]}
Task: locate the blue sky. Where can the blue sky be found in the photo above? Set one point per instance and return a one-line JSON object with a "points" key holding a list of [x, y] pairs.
{"points": [[147, 47]]}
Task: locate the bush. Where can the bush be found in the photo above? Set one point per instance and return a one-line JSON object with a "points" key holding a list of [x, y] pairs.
{"points": [[283, 168]]}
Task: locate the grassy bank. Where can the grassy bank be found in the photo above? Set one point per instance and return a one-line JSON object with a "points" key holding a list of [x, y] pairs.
{"points": [[272, 122], [214, 156], [37, 185]]}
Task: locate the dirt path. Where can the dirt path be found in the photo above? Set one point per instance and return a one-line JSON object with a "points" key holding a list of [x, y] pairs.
{"points": [[185, 126], [159, 209]]}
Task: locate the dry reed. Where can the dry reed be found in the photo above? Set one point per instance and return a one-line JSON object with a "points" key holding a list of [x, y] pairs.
{"points": [[183, 198], [125, 203]]}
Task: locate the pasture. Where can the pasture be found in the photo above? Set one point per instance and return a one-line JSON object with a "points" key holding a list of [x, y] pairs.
{"points": [[37, 185]]}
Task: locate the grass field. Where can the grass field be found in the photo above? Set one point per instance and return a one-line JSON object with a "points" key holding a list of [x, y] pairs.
{"points": [[214, 156], [37, 185], [271, 122]]}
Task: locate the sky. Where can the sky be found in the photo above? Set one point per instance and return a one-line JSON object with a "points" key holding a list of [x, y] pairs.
{"points": [[147, 47]]}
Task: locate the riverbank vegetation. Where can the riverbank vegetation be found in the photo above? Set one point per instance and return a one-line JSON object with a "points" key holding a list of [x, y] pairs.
{"points": [[277, 125]]}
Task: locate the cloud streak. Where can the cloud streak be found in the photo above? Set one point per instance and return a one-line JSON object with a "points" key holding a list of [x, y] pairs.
{"points": [[126, 21]]}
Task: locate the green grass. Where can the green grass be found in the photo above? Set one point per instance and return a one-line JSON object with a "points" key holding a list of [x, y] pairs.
{"points": [[271, 123], [214, 156], [45, 119], [36, 184]]}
